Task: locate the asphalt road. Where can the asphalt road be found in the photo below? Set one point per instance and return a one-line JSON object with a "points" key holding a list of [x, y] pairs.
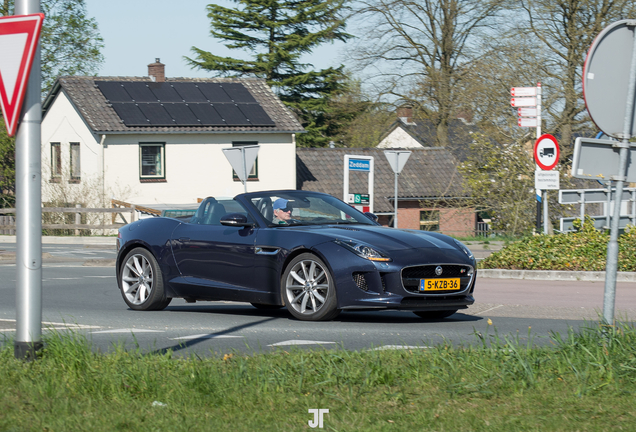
{"points": [[85, 299]]}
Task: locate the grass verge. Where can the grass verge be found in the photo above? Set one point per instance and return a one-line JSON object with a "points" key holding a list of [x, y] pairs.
{"points": [[584, 381]]}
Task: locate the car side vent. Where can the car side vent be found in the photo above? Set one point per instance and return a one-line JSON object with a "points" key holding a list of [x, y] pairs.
{"points": [[348, 229], [361, 281]]}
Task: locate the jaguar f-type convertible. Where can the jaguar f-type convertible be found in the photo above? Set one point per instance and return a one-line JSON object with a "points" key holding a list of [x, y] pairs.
{"points": [[306, 251]]}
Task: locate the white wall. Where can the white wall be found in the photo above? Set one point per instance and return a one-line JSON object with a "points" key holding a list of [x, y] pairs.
{"points": [[196, 166], [399, 138], [64, 125]]}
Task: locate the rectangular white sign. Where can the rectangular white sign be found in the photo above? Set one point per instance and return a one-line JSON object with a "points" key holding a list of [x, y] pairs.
{"points": [[527, 122], [523, 91], [546, 180], [523, 101], [527, 112]]}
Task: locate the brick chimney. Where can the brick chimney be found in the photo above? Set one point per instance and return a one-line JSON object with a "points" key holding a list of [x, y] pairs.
{"points": [[157, 71], [405, 114]]}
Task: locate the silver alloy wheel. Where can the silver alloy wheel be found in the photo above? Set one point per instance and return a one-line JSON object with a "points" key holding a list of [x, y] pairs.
{"points": [[137, 279], [307, 287]]}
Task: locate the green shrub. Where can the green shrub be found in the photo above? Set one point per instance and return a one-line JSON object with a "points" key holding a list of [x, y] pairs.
{"points": [[583, 250]]}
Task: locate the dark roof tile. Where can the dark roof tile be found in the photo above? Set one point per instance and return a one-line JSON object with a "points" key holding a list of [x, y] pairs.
{"points": [[101, 117]]}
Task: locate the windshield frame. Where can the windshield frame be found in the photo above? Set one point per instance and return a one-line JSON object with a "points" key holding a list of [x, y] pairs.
{"points": [[298, 197]]}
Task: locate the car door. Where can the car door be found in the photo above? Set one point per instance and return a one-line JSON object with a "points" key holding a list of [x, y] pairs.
{"points": [[214, 255]]}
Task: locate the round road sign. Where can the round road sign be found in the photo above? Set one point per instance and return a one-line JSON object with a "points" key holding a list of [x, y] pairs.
{"points": [[606, 78], [546, 152]]}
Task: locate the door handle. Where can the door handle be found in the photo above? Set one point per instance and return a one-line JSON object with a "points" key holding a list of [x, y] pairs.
{"points": [[184, 239]]}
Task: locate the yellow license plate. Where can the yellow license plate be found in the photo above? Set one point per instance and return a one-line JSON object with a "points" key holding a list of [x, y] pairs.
{"points": [[439, 284]]}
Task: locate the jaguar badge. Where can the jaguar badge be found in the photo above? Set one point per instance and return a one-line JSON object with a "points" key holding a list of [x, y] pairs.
{"points": [[438, 270]]}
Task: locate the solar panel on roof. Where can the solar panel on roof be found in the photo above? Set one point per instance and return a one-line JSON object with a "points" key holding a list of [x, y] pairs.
{"points": [[207, 114], [157, 115], [189, 92], [238, 92], [213, 92], [164, 92], [182, 114], [130, 114], [256, 114], [141, 103], [139, 92], [231, 114], [113, 91]]}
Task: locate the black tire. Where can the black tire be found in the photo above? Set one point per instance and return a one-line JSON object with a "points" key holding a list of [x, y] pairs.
{"points": [[308, 290], [266, 306], [141, 281], [433, 315]]}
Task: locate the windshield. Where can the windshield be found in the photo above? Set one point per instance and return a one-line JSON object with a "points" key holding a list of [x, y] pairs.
{"points": [[305, 208]]}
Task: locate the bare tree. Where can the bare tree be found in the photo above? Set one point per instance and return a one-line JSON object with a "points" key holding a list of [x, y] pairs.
{"points": [[566, 28], [420, 50]]}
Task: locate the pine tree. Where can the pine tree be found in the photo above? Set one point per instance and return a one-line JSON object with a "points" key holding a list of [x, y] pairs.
{"points": [[276, 34]]}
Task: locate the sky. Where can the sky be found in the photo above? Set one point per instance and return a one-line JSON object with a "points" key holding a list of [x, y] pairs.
{"points": [[136, 32]]}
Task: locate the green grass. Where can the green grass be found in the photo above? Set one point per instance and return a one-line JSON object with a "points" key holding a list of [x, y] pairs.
{"points": [[582, 381]]}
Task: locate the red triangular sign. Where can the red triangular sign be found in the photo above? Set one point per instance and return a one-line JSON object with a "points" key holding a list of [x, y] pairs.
{"points": [[19, 36]]}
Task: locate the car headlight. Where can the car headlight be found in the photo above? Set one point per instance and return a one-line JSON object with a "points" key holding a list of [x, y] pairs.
{"points": [[363, 250], [464, 248]]}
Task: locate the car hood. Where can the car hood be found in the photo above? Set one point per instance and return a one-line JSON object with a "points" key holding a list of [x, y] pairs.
{"points": [[388, 239]]}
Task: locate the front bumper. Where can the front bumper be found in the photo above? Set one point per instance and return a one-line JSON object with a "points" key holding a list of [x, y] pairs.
{"points": [[363, 284]]}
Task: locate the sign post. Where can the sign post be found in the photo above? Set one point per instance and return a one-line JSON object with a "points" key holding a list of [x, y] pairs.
{"points": [[242, 160], [609, 88], [546, 155], [362, 164], [23, 31], [397, 159], [530, 117]]}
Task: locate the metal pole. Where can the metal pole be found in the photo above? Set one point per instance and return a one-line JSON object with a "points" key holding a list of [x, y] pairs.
{"points": [[245, 173], [395, 218], [536, 167], [546, 219], [609, 298], [28, 338]]}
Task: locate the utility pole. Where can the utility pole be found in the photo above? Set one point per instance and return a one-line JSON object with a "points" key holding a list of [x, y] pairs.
{"points": [[28, 173]]}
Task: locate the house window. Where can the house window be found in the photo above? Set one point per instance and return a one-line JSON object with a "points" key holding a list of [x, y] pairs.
{"points": [[254, 173], [152, 161], [429, 220], [76, 172], [56, 161]]}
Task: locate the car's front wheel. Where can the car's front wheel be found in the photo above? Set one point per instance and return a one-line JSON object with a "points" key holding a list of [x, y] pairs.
{"points": [[308, 289], [141, 282], [433, 315]]}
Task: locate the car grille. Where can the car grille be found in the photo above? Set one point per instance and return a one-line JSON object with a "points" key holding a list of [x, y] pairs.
{"points": [[411, 276]]}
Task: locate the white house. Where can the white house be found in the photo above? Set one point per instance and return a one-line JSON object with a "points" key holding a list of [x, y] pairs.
{"points": [[152, 140]]}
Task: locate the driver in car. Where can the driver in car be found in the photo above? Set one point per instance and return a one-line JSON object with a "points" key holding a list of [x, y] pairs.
{"points": [[282, 212]]}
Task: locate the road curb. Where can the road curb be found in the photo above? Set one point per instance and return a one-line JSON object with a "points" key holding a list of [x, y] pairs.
{"points": [[87, 240], [554, 275]]}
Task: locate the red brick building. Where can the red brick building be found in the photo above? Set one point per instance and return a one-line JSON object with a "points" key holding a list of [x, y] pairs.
{"points": [[430, 192]]}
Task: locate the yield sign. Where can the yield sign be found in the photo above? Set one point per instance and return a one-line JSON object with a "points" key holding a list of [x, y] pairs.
{"points": [[19, 37]]}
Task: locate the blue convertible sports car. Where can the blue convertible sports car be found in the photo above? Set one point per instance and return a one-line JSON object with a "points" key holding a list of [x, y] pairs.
{"points": [[307, 251]]}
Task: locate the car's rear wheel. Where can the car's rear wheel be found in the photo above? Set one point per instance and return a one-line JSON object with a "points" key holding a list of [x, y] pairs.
{"points": [[141, 282], [308, 289], [432, 315]]}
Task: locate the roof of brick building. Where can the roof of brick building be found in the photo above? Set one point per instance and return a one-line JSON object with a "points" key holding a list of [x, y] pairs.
{"points": [[429, 173]]}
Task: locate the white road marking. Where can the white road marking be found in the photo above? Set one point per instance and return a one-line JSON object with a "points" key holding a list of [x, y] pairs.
{"points": [[300, 342], [205, 336], [488, 310], [101, 277], [48, 325], [130, 330]]}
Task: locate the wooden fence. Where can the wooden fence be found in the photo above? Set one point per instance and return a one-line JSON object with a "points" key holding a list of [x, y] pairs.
{"points": [[8, 223]]}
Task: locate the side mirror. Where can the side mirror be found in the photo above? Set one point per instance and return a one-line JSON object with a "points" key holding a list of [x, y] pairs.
{"points": [[371, 216], [235, 219]]}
